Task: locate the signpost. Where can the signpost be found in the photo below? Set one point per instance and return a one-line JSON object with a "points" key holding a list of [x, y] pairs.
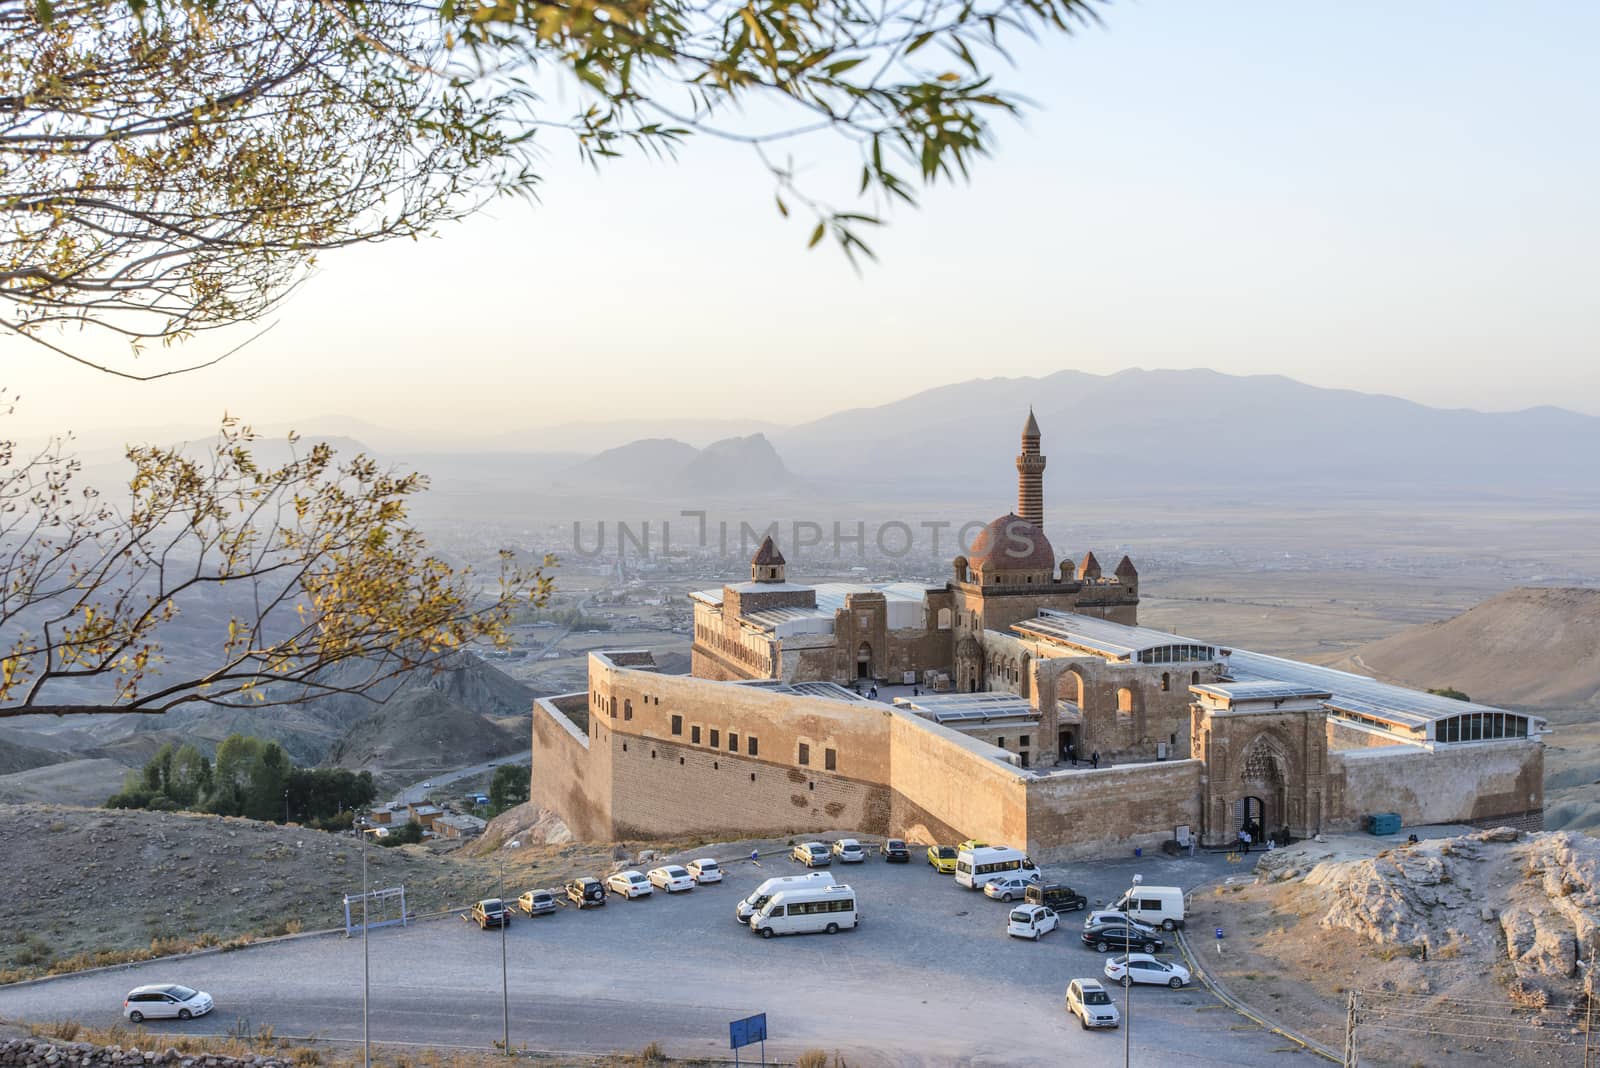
{"points": [[747, 1032]]}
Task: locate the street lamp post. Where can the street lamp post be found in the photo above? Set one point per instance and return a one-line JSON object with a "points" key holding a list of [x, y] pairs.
{"points": [[505, 921], [362, 824], [1127, 986]]}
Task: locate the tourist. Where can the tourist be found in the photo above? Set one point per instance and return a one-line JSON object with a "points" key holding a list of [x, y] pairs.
{"points": [[1191, 845], [1072, 754], [1094, 759], [1244, 838]]}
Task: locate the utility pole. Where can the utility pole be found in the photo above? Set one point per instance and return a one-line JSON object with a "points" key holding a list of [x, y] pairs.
{"points": [[1127, 986], [1350, 1031], [505, 921]]}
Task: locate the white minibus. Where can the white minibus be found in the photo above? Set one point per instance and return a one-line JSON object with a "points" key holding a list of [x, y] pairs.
{"points": [[763, 893], [975, 867], [807, 910]]}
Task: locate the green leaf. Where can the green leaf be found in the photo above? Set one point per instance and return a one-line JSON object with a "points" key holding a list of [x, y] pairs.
{"points": [[816, 235]]}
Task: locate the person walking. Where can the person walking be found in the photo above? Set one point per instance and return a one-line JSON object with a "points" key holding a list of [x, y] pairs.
{"points": [[1244, 840], [1191, 843], [1072, 754], [1094, 759]]}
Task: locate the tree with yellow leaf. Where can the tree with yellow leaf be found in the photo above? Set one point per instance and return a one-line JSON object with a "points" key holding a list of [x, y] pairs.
{"points": [[325, 586], [175, 166]]}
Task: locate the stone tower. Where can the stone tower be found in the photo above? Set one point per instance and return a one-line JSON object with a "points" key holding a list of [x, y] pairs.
{"points": [[1030, 475], [767, 565]]}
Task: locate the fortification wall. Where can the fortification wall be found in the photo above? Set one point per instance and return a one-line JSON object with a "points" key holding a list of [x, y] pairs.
{"points": [[564, 778], [1466, 782], [946, 787], [1084, 813]]}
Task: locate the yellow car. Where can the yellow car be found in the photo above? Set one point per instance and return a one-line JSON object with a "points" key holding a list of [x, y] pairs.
{"points": [[942, 859], [971, 843]]}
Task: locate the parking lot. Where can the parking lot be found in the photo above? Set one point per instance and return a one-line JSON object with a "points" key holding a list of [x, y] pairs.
{"points": [[929, 977]]}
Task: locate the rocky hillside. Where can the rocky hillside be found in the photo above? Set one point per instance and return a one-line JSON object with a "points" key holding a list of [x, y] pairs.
{"points": [[423, 730], [1528, 647]]}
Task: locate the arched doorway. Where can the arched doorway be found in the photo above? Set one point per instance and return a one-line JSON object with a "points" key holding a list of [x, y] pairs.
{"points": [[864, 661], [1262, 807]]}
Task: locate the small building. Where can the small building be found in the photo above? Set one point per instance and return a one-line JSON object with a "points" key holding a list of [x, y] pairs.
{"points": [[427, 815], [459, 826]]}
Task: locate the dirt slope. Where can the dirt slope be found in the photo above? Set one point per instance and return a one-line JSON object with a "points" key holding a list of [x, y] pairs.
{"points": [[137, 876], [1529, 647], [423, 729]]}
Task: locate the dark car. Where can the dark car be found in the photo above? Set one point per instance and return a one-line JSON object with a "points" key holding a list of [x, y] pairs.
{"points": [[1058, 896], [895, 852], [1105, 937], [491, 912], [585, 892]]}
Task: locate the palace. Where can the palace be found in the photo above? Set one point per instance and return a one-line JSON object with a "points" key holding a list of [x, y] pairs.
{"points": [[1020, 702]]}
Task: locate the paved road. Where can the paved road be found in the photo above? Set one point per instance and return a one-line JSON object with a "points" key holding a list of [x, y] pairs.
{"points": [[929, 978], [417, 791]]}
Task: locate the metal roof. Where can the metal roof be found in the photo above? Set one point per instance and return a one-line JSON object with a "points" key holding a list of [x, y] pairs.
{"points": [[1099, 635], [966, 709], [1353, 693], [828, 690], [1266, 690]]}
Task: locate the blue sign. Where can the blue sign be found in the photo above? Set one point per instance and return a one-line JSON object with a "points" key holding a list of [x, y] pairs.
{"points": [[748, 1031]]}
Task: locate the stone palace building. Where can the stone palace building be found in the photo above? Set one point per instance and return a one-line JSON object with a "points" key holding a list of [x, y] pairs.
{"points": [[988, 686]]}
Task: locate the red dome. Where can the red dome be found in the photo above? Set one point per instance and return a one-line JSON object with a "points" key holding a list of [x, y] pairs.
{"points": [[1011, 543]]}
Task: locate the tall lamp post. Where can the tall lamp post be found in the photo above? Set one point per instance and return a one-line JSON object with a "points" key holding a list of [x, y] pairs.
{"points": [[362, 824], [505, 921], [1127, 987]]}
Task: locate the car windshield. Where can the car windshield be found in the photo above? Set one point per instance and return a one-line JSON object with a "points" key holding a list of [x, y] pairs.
{"points": [[895, 843], [182, 993], [677, 873], [1096, 997], [947, 852], [1023, 917], [708, 865], [491, 905]]}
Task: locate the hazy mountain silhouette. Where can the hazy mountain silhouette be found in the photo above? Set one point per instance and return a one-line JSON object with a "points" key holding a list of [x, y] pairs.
{"points": [[1116, 433], [743, 465]]}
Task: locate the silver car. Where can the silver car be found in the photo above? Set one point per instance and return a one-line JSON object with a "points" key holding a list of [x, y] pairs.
{"points": [[165, 1001]]}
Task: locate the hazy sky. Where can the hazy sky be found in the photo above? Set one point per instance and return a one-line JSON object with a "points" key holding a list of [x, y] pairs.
{"points": [[1388, 197]]}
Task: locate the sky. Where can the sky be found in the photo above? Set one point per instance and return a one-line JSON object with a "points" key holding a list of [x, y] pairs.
{"points": [[1394, 198]]}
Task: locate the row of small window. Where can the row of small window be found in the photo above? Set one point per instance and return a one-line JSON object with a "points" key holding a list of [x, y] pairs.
{"points": [[1177, 654], [1478, 726], [812, 908], [752, 747], [1023, 741]]}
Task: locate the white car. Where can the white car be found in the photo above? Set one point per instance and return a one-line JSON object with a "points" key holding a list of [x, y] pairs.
{"points": [[704, 871], [165, 1001], [849, 851], [629, 884], [1007, 887], [1089, 1002], [671, 879], [1031, 921], [1099, 916], [1143, 968]]}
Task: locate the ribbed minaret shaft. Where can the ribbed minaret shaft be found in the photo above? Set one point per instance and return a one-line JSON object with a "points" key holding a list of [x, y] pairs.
{"points": [[1030, 475]]}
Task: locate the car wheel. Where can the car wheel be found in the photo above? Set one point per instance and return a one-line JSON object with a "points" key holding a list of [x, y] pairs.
{"points": [[1036, 935], [1006, 897], [1127, 981], [766, 932], [183, 1014], [1100, 947], [1083, 1023], [833, 928], [136, 1016], [1167, 925], [1149, 947], [1175, 983]]}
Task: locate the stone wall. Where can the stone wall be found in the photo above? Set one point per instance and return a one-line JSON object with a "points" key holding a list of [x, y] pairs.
{"points": [[565, 780], [44, 1053], [1462, 782], [1084, 813], [947, 787]]}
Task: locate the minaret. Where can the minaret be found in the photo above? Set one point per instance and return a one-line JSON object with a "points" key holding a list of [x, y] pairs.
{"points": [[1030, 475]]}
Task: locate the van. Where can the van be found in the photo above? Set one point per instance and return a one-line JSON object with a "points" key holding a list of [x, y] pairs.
{"points": [[975, 867], [763, 893], [807, 910], [1154, 905], [1058, 896]]}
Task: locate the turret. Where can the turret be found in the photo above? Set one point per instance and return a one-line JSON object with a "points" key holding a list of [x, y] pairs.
{"points": [[1089, 570], [768, 564]]}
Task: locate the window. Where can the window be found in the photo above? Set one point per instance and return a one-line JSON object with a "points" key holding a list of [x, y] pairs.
{"points": [[750, 745], [830, 759], [1024, 741], [1125, 701], [805, 753], [1166, 682], [694, 734], [716, 738], [1001, 742], [627, 709], [733, 742], [677, 724]]}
